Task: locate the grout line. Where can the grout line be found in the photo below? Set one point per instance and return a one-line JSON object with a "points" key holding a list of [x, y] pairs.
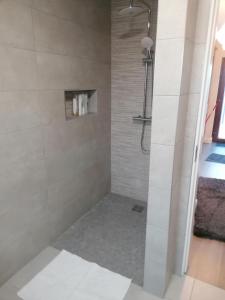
{"points": [[64, 18], [99, 61], [192, 289]]}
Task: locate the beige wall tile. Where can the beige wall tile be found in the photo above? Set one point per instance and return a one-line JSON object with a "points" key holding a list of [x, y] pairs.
{"points": [[165, 110], [197, 68], [180, 288], [155, 280], [159, 207], [51, 33], [21, 146], [158, 244], [46, 160], [54, 71], [19, 111], [163, 155], [18, 69], [171, 19], [95, 14], [169, 62], [202, 21], [51, 106], [16, 24]]}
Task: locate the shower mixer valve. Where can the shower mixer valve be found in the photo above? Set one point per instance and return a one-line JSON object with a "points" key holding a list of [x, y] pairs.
{"points": [[142, 119]]}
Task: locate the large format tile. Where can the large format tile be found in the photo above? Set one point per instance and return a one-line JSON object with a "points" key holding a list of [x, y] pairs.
{"points": [[204, 291], [19, 111], [65, 37], [163, 156], [27, 180], [65, 9], [53, 34], [169, 58], [8, 292], [21, 146], [191, 27], [33, 267], [155, 278], [16, 24], [156, 239], [24, 216], [192, 114], [88, 13], [171, 19], [15, 253], [55, 72], [18, 69], [187, 66], [165, 110], [51, 107], [197, 68], [202, 21], [180, 288], [137, 293], [46, 160], [158, 207], [188, 153]]}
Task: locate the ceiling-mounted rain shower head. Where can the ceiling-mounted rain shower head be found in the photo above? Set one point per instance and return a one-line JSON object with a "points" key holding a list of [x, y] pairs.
{"points": [[132, 10]]}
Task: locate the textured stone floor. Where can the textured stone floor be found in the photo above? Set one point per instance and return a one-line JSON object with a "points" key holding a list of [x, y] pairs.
{"points": [[112, 235]]}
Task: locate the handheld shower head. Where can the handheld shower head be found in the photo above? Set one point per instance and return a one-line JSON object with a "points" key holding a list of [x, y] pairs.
{"points": [[147, 43]]}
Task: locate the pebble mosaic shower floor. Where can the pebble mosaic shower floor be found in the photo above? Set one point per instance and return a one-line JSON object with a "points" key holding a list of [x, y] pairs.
{"points": [[112, 235]]}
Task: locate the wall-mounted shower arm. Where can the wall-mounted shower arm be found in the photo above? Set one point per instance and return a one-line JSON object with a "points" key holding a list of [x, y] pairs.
{"points": [[143, 2], [147, 9]]}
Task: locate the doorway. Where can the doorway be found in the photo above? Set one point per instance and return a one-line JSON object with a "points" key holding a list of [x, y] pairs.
{"points": [[218, 134], [206, 252]]}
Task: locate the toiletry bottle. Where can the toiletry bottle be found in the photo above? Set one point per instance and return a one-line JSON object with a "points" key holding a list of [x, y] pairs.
{"points": [[75, 106], [80, 105]]}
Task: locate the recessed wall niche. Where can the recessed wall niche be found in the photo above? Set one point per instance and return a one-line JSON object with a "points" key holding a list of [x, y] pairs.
{"points": [[79, 103]]}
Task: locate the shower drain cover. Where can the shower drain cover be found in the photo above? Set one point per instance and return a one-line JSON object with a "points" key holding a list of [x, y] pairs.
{"points": [[138, 208]]}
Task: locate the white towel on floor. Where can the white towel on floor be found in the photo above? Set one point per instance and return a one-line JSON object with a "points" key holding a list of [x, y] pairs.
{"points": [[69, 277]]}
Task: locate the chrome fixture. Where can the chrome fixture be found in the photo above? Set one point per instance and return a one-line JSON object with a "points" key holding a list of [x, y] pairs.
{"points": [[142, 119], [132, 10], [147, 43]]}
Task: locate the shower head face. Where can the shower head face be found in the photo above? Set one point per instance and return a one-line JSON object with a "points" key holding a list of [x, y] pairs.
{"points": [[147, 43], [131, 11]]}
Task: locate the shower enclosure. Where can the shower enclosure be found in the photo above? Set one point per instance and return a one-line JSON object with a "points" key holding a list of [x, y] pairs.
{"points": [[57, 163], [133, 36], [147, 43], [113, 233]]}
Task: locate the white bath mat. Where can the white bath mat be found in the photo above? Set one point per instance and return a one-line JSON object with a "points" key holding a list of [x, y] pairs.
{"points": [[69, 277]]}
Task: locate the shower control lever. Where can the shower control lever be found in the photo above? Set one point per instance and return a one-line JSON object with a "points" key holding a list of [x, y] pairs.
{"points": [[142, 119]]}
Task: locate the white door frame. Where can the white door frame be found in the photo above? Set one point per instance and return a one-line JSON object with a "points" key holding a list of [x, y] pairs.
{"points": [[207, 71]]}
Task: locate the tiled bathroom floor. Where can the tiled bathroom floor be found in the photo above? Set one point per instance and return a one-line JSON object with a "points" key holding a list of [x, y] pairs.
{"points": [[186, 288], [112, 235]]}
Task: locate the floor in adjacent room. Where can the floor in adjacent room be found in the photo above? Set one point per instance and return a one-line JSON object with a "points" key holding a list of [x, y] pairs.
{"points": [[211, 169], [207, 257], [207, 261], [112, 235]]}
